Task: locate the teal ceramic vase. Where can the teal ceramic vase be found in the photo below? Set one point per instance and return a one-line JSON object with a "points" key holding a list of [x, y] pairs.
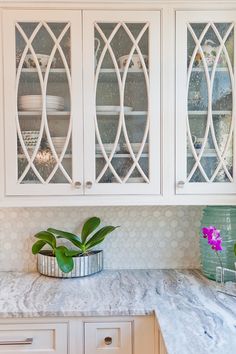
{"points": [[224, 219]]}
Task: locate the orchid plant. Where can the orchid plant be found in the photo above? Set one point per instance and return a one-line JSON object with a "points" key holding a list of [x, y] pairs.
{"points": [[214, 240]]}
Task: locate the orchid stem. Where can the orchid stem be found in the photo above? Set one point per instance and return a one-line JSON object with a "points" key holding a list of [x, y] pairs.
{"points": [[221, 264]]}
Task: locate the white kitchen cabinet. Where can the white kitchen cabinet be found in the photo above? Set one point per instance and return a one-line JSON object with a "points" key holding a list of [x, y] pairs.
{"points": [[33, 338], [80, 335], [52, 145], [205, 53], [146, 113]]}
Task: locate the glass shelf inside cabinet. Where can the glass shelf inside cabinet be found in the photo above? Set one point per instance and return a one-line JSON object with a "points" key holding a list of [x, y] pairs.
{"points": [[210, 125], [122, 93], [43, 81]]}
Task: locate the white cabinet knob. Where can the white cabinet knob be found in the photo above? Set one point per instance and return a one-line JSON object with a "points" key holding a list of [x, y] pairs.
{"points": [[180, 184], [89, 184], [77, 184]]}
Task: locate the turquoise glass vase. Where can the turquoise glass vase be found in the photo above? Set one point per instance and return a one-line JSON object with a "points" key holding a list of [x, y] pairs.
{"points": [[224, 219]]}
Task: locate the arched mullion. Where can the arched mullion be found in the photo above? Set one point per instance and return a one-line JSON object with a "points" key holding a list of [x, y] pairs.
{"points": [[196, 156], [221, 48], [137, 157], [28, 46], [57, 47], [107, 46]]}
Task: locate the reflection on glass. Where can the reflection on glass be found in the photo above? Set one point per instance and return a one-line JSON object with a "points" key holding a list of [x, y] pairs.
{"points": [[210, 124]]}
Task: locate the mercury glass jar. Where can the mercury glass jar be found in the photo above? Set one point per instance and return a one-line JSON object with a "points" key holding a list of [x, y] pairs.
{"points": [[224, 219]]}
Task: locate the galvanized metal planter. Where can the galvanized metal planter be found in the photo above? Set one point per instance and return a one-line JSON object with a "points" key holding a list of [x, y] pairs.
{"points": [[83, 266]]}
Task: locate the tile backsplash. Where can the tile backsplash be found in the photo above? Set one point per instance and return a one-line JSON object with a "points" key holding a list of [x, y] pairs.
{"points": [[149, 237]]}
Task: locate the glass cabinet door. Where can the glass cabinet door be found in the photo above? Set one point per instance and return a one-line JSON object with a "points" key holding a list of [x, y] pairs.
{"points": [[121, 117], [208, 69], [41, 125]]}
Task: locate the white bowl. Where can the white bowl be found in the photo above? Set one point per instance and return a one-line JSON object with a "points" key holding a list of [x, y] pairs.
{"points": [[42, 60], [135, 62]]}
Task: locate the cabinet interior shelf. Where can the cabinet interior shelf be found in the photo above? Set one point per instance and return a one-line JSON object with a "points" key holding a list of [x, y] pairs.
{"points": [[199, 113], [132, 113], [222, 69], [110, 75], [69, 156], [120, 155], [39, 113], [206, 153], [53, 70], [30, 75]]}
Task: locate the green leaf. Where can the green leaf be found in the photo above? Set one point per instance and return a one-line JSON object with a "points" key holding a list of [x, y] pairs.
{"points": [[100, 235], [235, 249], [93, 244], [89, 226], [65, 263], [37, 246], [48, 237], [72, 253], [68, 236]]}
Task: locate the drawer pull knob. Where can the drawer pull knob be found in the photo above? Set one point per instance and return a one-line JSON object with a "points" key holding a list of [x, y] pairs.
{"points": [[180, 184], [89, 184], [77, 184], [108, 340], [17, 342]]}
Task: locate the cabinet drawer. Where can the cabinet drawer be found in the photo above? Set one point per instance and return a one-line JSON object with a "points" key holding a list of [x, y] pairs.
{"points": [[33, 338], [108, 337]]}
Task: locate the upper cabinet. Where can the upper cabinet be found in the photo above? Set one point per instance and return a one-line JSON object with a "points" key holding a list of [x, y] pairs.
{"points": [[119, 106], [43, 102], [65, 135], [122, 102], [205, 104]]}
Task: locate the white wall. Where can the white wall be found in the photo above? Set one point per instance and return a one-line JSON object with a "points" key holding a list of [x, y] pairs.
{"points": [[149, 237]]}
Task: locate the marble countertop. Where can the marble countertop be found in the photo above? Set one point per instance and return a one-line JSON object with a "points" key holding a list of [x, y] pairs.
{"points": [[194, 315]]}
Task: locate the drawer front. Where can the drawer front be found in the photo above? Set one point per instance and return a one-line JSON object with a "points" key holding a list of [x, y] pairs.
{"points": [[108, 338], [33, 338]]}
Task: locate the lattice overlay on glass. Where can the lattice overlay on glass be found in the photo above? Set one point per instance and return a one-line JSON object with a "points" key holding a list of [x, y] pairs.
{"points": [[210, 83], [122, 102], [43, 91]]}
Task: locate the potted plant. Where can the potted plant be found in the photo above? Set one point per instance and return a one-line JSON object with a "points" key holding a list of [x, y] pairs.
{"points": [[61, 261]]}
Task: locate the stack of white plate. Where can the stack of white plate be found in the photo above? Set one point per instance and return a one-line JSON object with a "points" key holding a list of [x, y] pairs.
{"points": [[108, 148], [34, 103], [58, 142]]}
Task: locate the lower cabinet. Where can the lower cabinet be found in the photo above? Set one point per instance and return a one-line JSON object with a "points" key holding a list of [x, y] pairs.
{"points": [[108, 337], [36, 338], [81, 335]]}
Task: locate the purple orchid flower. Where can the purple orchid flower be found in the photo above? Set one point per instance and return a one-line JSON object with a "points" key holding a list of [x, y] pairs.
{"points": [[213, 237]]}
